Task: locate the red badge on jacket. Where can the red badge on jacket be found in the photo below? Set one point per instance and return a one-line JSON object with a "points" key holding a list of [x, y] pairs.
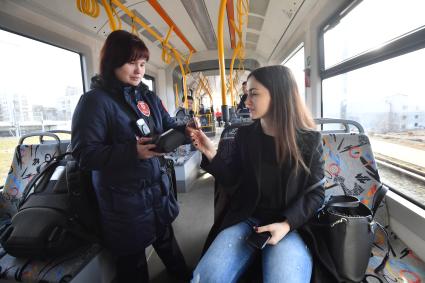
{"points": [[144, 108]]}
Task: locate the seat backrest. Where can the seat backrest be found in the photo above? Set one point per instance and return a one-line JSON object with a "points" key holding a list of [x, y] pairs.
{"points": [[28, 160], [350, 166]]}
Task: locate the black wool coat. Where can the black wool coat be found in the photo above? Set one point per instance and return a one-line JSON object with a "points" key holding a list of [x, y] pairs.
{"points": [[303, 194]]}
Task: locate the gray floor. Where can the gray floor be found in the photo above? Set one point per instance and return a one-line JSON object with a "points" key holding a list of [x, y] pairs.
{"points": [[191, 226], [193, 223]]}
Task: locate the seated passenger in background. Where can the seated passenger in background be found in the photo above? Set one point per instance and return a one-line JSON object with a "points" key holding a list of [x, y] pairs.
{"points": [[189, 111], [127, 174], [201, 109], [242, 106], [277, 160]]}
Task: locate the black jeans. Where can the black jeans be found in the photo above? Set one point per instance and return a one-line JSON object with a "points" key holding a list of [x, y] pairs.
{"points": [[134, 267]]}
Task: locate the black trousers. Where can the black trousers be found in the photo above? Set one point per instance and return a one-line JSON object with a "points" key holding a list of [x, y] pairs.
{"points": [[134, 267]]}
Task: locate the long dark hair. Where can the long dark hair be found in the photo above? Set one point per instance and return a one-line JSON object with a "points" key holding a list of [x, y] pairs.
{"points": [[119, 48], [287, 111]]}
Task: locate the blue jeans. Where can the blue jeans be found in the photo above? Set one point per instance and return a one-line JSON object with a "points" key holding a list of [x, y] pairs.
{"points": [[229, 256]]}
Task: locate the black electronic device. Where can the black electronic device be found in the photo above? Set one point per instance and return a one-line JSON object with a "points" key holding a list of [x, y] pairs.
{"points": [[258, 240], [168, 141]]}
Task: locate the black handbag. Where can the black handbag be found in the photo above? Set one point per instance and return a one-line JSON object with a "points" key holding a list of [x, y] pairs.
{"points": [[350, 231]]}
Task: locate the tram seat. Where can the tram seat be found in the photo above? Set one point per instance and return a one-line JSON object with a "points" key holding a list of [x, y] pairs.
{"points": [[90, 263], [28, 160], [350, 166], [350, 169]]}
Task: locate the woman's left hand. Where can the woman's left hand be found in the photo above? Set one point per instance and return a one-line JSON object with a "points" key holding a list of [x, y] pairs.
{"points": [[278, 231]]}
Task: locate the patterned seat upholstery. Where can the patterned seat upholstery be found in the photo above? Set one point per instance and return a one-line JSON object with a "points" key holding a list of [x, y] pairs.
{"points": [[350, 167], [28, 160]]}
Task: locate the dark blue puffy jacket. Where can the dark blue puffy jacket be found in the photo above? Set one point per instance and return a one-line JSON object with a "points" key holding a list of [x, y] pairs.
{"points": [[128, 189]]}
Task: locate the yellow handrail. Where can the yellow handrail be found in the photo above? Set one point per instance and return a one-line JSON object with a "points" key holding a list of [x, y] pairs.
{"points": [[88, 7], [112, 13], [183, 75], [166, 55], [206, 87], [220, 48], [139, 21], [177, 95], [239, 51]]}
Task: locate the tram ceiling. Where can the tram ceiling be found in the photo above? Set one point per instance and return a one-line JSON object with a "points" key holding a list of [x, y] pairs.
{"points": [[196, 19]]}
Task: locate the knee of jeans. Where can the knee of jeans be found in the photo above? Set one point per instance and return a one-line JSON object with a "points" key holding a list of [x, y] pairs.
{"points": [[204, 278], [196, 278], [207, 277]]}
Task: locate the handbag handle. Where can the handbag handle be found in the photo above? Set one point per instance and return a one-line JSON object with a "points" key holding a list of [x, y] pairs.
{"points": [[343, 201], [378, 197]]}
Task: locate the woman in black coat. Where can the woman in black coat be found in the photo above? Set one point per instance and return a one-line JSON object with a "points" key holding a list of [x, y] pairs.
{"points": [[277, 165], [131, 185]]}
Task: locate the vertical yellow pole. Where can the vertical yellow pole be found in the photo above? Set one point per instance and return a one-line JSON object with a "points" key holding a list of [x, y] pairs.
{"points": [[220, 48], [231, 86], [177, 96]]}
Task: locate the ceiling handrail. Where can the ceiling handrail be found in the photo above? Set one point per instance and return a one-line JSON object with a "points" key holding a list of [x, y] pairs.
{"points": [[158, 8], [231, 18], [137, 20], [112, 13], [88, 7]]}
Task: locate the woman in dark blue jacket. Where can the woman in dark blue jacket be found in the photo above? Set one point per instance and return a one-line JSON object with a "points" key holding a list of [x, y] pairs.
{"points": [[131, 187]]}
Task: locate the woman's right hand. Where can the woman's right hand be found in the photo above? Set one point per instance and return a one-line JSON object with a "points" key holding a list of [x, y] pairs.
{"points": [[202, 143], [145, 149]]}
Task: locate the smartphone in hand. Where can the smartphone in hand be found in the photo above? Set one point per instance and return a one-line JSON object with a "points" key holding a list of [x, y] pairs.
{"points": [[258, 240]]}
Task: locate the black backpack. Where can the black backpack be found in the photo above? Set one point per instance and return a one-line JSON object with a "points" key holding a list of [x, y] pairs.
{"points": [[58, 212]]}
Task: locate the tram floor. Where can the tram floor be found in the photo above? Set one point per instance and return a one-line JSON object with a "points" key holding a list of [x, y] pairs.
{"points": [[191, 226]]}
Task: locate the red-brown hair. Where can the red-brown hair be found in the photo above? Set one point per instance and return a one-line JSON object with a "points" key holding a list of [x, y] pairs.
{"points": [[119, 48]]}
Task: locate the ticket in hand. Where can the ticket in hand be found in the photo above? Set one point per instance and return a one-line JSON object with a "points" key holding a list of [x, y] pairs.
{"points": [[194, 123]]}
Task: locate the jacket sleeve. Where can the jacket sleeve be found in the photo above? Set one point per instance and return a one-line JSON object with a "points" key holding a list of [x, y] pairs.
{"points": [[90, 130], [226, 169], [311, 199]]}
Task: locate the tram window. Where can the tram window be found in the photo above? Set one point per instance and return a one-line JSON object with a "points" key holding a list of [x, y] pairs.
{"points": [[150, 82], [295, 62], [368, 25], [388, 99], [39, 88]]}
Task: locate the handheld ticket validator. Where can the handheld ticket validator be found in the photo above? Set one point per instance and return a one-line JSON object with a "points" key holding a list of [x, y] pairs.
{"points": [[143, 128]]}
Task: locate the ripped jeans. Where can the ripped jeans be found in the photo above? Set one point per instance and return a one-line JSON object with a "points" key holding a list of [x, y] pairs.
{"points": [[229, 256]]}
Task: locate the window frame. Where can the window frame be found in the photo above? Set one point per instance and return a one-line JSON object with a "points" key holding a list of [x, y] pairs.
{"points": [[401, 45], [149, 77], [293, 53]]}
